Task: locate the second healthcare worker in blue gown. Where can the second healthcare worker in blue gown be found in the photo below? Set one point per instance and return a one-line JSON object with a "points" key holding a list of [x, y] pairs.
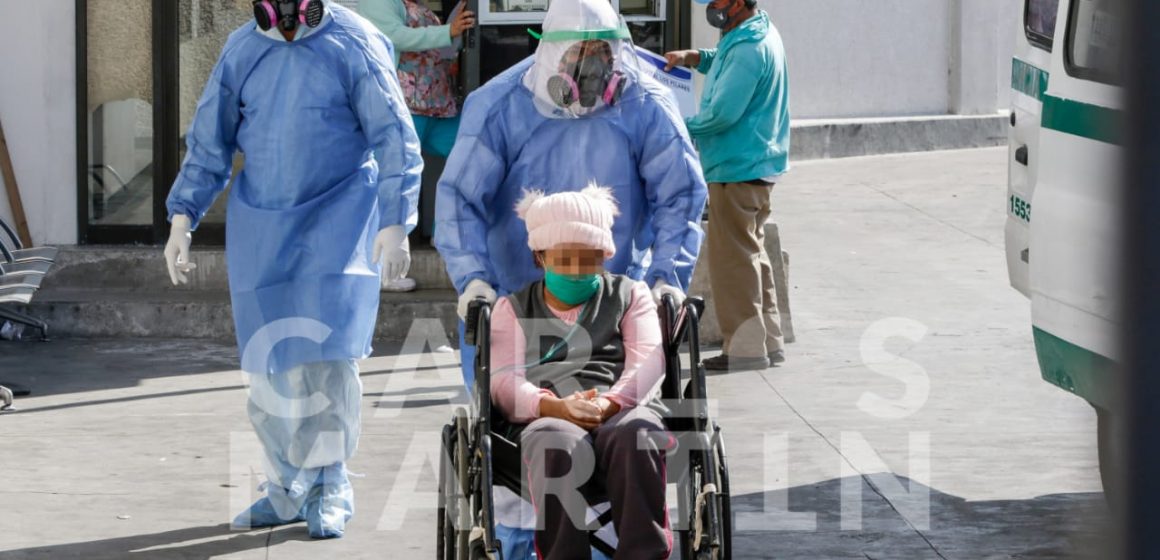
{"points": [[579, 111], [327, 193]]}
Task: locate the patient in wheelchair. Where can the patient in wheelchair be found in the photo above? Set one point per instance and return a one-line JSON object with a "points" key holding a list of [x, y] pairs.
{"points": [[577, 366]]}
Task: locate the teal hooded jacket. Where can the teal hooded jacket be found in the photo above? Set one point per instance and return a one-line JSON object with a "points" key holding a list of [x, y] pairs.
{"points": [[742, 129]]}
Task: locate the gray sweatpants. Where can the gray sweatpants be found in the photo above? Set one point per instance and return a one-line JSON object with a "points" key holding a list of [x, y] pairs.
{"points": [[628, 453]]}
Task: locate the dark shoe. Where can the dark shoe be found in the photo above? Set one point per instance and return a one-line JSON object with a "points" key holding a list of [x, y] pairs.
{"points": [[730, 363], [777, 357]]}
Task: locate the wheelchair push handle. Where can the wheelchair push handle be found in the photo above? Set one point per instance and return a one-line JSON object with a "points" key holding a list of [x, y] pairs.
{"points": [[471, 324], [669, 304], [676, 318]]}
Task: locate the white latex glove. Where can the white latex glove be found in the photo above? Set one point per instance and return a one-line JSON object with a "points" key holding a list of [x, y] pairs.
{"points": [[475, 289], [393, 249], [661, 288], [177, 250]]}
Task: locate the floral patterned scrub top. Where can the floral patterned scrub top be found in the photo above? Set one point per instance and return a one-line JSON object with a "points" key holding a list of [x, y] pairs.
{"points": [[428, 77]]}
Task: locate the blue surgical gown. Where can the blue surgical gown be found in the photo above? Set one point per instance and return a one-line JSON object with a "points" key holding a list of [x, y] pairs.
{"points": [[639, 147], [331, 157]]}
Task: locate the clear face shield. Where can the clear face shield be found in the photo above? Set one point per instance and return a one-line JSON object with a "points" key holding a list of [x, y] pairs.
{"points": [[579, 72]]}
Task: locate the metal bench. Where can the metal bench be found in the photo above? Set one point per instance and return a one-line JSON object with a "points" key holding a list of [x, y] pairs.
{"points": [[21, 272], [21, 254]]}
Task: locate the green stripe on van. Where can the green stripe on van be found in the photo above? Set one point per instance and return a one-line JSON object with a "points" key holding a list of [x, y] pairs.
{"points": [[1083, 119], [1075, 369], [1028, 79]]}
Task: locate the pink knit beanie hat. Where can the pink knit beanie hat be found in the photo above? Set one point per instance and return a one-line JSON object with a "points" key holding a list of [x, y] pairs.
{"points": [[583, 217]]}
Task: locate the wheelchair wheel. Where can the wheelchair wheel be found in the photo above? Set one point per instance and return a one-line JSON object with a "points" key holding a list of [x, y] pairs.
{"points": [[462, 478], [701, 509], [726, 517], [444, 527]]}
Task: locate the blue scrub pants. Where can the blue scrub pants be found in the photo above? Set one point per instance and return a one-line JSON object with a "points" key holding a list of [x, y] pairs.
{"points": [[436, 134]]}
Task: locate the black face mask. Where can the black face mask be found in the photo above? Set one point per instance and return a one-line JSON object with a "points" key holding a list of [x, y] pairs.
{"points": [[719, 17], [287, 14]]}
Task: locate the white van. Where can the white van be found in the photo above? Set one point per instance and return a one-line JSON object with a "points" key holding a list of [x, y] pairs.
{"points": [[1063, 197]]}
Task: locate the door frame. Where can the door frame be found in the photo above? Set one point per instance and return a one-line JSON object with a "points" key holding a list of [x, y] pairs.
{"points": [[166, 69]]}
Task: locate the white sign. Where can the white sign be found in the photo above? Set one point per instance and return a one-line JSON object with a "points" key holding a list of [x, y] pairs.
{"points": [[679, 80]]}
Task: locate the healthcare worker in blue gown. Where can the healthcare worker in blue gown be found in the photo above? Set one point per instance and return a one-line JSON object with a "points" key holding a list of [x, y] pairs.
{"points": [[576, 112], [322, 205]]}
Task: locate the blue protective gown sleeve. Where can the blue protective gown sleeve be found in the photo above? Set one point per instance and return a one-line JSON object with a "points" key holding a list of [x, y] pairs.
{"points": [[390, 16], [473, 174], [382, 112], [210, 146], [676, 192], [720, 109]]}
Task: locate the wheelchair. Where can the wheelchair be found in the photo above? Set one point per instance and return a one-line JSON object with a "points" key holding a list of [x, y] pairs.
{"points": [[474, 458]]}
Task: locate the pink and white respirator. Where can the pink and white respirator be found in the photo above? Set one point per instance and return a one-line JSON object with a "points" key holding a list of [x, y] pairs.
{"points": [[287, 14]]}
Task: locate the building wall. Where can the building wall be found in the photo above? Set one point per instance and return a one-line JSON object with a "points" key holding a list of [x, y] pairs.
{"points": [[853, 58], [38, 112]]}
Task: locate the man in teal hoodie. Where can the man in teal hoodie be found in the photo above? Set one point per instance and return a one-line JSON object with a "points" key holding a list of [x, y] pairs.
{"points": [[742, 132]]}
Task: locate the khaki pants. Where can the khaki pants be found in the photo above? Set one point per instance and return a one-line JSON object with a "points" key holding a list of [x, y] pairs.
{"points": [[740, 272]]}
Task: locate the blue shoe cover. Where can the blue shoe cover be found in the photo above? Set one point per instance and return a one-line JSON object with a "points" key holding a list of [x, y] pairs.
{"points": [[331, 504], [277, 508]]}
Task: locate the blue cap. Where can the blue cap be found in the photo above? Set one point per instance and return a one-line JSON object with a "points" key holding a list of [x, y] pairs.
{"points": [[702, 1]]}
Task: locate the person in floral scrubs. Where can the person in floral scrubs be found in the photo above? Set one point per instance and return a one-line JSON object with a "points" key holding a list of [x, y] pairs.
{"points": [[426, 55]]}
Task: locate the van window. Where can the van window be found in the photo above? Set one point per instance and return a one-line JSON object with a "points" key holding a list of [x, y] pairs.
{"points": [[1094, 40], [1039, 22]]}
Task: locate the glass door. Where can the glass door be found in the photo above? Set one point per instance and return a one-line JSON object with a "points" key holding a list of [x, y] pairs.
{"points": [[118, 175], [142, 65], [203, 27]]}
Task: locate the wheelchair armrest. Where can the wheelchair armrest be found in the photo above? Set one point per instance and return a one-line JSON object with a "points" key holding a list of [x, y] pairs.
{"points": [[506, 463]]}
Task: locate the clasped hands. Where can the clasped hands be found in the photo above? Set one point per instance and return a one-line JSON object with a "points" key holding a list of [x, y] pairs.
{"points": [[586, 409]]}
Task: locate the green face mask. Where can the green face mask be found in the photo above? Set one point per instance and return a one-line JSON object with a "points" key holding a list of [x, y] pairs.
{"points": [[572, 289]]}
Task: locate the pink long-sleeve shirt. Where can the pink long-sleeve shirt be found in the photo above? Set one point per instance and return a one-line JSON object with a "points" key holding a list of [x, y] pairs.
{"points": [[643, 370]]}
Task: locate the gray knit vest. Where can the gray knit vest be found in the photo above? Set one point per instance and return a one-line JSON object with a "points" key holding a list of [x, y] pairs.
{"points": [[593, 356]]}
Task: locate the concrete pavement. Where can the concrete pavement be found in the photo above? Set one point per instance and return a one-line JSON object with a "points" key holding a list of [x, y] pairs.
{"points": [[913, 382]]}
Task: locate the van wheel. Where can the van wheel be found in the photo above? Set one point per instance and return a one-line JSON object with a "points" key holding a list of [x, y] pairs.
{"points": [[1108, 434]]}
